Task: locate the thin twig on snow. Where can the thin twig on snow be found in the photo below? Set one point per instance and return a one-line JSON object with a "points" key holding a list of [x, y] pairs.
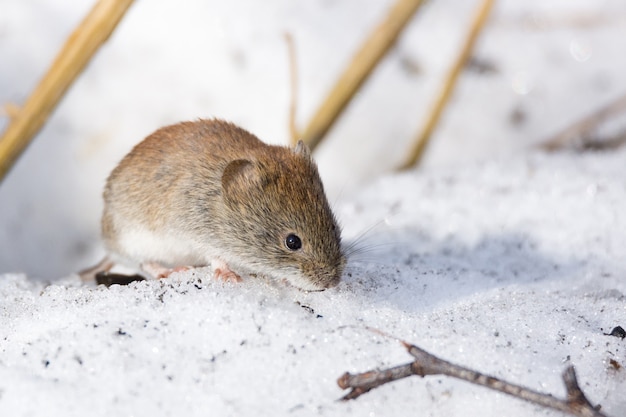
{"points": [[425, 363]]}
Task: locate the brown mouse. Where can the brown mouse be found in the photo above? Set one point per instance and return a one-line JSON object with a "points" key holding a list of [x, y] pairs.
{"points": [[210, 193]]}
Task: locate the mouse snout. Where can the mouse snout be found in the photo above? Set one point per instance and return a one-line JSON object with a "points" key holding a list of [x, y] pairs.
{"points": [[327, 276]]}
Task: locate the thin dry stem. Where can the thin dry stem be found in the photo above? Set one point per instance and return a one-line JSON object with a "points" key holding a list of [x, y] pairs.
{"points": [[423, 137], [584, 127], [293, 99], [425, 364], [11, 110], [362, 65], [77, 51], [364, 382]]}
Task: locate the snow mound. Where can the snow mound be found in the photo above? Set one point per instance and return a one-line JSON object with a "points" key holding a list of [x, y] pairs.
{"points": [[514, 268]]}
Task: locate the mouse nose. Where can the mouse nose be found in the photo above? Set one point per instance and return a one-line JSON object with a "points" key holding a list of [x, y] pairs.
{"points": [[333, 275]]}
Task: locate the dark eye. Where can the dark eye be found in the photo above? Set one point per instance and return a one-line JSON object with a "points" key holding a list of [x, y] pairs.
{"points": [[293, 242]]}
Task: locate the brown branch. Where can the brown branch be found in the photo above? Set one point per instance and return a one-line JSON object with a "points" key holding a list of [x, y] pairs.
{"points": [[584, 127], [422, 138], [362, 65], [77, 51], [294, 135], [425, 363]]}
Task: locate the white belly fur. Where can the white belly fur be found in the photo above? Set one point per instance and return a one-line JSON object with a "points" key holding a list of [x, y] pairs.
{"points": [[146, 246]]}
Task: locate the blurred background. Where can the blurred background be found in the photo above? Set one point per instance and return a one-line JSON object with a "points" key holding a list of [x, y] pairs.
{"points": [[538, 67]]}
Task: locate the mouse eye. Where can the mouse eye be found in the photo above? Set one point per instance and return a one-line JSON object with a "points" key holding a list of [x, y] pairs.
{"points": [[293, 242]]}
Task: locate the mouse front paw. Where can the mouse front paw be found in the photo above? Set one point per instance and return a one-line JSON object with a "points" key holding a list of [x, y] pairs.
{"points": [[222, 271]]}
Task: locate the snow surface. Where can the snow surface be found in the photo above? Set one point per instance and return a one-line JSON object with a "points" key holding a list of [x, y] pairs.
{"points": [[494, 256], [515, 268]]}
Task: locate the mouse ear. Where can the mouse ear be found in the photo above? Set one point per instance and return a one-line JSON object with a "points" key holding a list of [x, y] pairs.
{"points": [[302, 149], [238, 178]]}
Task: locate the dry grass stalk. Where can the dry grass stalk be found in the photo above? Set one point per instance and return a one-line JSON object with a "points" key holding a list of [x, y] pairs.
{"points": [[11, 110], [75, 54], [293, 99], [421, 140], [584, 128], [363, 63]]}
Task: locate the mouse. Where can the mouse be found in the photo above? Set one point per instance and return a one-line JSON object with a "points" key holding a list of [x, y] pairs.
{"points": [[209, 193]]}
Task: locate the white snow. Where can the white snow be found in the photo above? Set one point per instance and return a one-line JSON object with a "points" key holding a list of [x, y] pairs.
{"points": [[495, 256]]}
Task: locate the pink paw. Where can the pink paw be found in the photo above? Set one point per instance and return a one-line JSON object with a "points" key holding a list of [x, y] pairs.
{"points": [[223, 272], [226, 275]]}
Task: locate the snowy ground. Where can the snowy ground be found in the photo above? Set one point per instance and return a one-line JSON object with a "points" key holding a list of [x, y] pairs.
{"points": [[514, 268], [494, 256]]}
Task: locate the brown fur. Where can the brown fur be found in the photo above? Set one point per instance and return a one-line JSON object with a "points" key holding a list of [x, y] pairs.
{"points": [[231, 196]]}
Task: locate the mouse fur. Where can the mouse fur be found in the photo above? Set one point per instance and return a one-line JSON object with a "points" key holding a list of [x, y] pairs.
{"points": [[208, 192]]}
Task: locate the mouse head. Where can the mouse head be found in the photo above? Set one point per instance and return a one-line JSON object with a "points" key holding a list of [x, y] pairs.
{"points": [[282, 219]]}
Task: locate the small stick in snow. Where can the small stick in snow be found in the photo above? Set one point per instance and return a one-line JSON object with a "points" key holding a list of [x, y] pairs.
{"points": [[425, 363], [110, 278], [581, 131]]}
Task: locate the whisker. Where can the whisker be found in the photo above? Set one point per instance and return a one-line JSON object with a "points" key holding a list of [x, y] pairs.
{"points": [[354, 250], [364, 233]]}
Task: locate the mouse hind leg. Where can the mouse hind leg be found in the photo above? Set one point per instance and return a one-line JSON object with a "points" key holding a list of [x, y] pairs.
{"points": [[89, 274]]}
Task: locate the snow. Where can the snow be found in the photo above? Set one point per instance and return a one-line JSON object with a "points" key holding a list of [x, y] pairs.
{"points": [[518, 284], [494, 256]]}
